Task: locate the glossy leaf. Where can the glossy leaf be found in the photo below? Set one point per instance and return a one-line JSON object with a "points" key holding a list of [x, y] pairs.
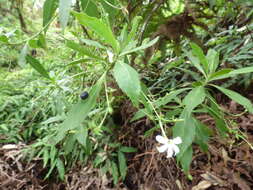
{"points": [[99, 27], [37, 66], [237, 98], [64, 10], [128, 80]]}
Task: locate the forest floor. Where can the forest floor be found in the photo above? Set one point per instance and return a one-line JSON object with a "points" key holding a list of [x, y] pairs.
{"points": [[228, 165]]}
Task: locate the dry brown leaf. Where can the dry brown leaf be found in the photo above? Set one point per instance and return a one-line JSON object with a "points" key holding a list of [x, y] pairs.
{"points": [[240, 182], [213, 179], [202, 185]]}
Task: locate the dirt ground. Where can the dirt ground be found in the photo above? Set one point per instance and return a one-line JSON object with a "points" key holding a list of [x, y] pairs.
{"points": [[227, 166]]}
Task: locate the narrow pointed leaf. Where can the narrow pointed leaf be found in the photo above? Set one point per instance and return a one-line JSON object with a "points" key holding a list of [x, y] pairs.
{"points": [[213, 60], [99, 27], [122, 165], [37, 66], [144, 46], [49, 8], [198, 52], [81, 49], [237, 98], [61, 169]]}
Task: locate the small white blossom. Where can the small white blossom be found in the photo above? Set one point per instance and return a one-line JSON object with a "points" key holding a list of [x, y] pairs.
{"points": [[110, 56], [168, 145]]}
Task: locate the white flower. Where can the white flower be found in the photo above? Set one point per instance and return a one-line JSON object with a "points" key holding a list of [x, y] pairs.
{"points": [[168, 145], [110, 56]]}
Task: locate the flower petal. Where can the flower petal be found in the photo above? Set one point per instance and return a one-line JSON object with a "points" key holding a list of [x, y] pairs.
{"points": [[162, 148], [175, 150], [161, 139], [169, 152], [177, 140]]}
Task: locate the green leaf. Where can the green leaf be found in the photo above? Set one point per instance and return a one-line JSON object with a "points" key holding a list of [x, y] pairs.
{"points": [[122, 165], [45, 157], [186, 159], [186, 130], [143, 46], [198, 52], [127, 149], [60, 168], [52, 166], [138, 115], [220, 74], [81, 49], [90, 8], [49, 8], [99, 27], [237, 98], [82, 135], [79, 111], [4, 39], [93, 43], [52, 155], [128, 80], [213, 59], [64, 10], [69, 144], [22, 56], [37, 66], [42, 41], [114, 172], [33, 43], [169, 97], [196, 63], [134, 28], [241, 71], [202, 135], [232, 73], [194, 98]]}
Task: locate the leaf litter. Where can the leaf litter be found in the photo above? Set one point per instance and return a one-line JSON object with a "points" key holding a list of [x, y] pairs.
{"points": [[227, 166]]}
